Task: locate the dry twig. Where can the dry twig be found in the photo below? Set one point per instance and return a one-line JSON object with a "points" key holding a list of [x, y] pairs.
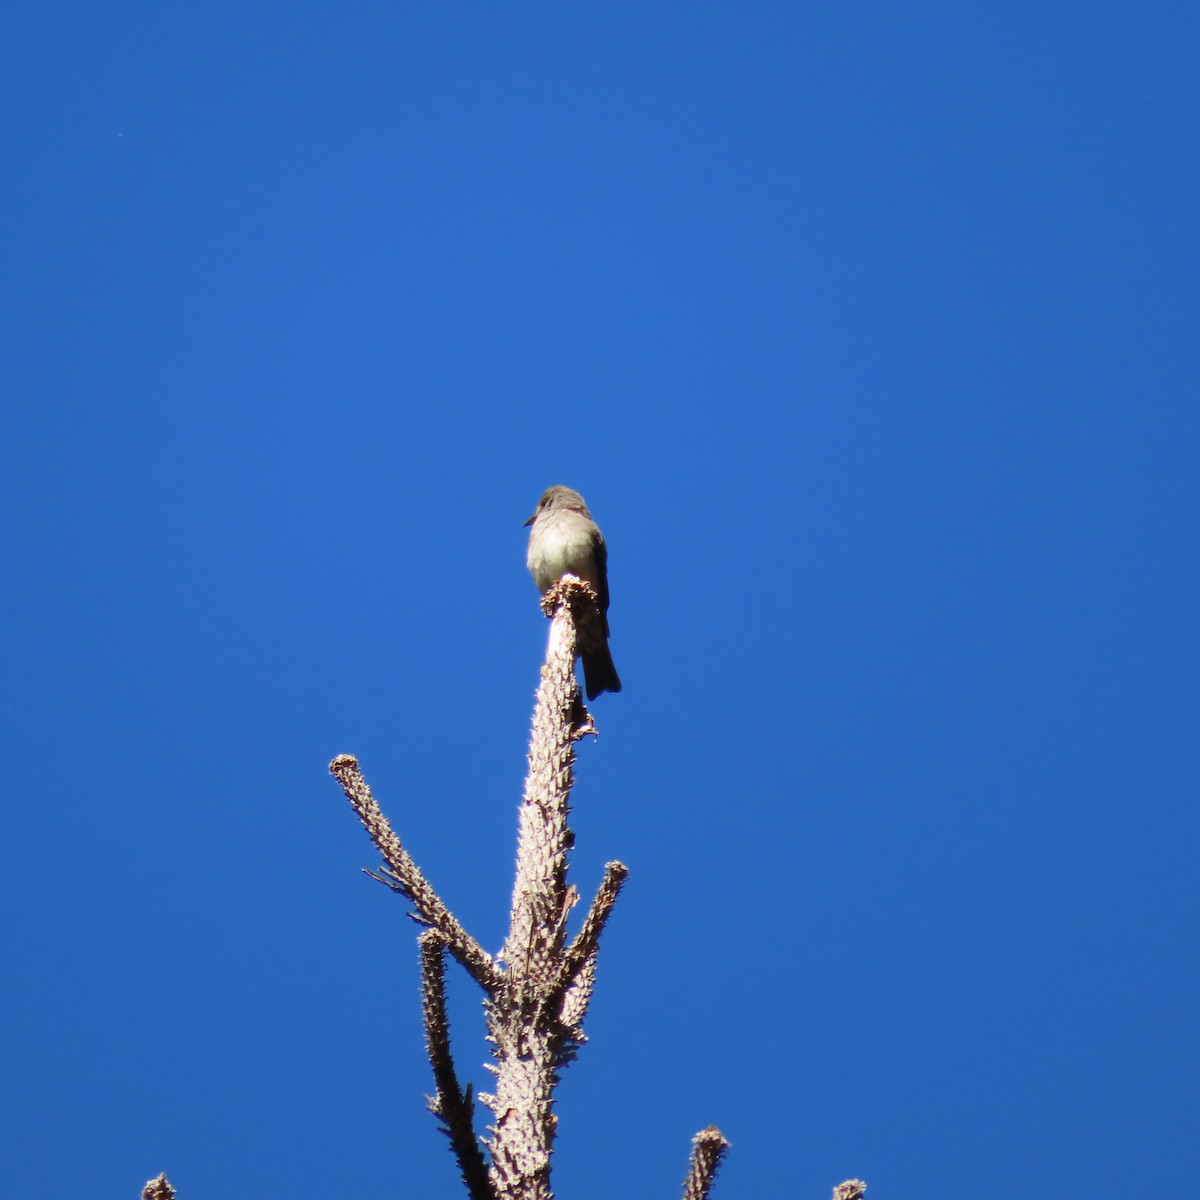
{"points": [[452, 1105], [403, 876], [158, 1189], [708, 1148]]}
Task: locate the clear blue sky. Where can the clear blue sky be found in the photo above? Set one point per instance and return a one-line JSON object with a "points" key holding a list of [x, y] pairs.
{"points": [[869, 332]]}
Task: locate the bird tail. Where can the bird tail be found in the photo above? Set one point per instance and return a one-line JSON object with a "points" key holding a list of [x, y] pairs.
{"points": [[599, 674]]}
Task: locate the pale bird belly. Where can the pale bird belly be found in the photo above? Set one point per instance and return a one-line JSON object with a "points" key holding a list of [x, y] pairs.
{"points": [[564, 556]]}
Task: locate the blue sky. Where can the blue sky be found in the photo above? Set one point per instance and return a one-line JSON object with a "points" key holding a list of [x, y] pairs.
{"points": [[870, 334]]}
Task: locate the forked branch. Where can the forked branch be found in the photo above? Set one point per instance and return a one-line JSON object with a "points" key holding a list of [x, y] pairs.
{"points": [[538, 988]]}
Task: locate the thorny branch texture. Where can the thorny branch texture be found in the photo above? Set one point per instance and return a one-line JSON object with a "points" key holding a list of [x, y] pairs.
{"points": [[708, 1148], [451, 1105], [531, 1035], [402, 875], [537, 989], [158, 1189]]}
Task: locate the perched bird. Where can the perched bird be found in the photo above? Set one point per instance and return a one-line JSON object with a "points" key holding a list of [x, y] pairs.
{"points": [[565, 540]]}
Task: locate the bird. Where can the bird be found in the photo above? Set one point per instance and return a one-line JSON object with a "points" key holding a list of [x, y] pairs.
{"points": [[564, 540]]}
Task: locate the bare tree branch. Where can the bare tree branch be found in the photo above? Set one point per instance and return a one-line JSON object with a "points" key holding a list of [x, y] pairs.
{"points": [[452, 1106], [573, 1006], [852, 1189], [708, 1148], [408, 879], [537, 989], [585, 943], [572, 991], [158, 1189]]}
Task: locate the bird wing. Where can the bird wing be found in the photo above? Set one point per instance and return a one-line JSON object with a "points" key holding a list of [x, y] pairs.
{"points": [[601, 556]]}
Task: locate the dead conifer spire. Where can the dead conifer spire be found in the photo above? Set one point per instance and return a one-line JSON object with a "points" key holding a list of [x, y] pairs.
{"points": [[536, 991]]}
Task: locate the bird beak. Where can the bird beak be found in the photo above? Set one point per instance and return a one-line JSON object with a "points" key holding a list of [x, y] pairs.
{"points": [[531, 519]]}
